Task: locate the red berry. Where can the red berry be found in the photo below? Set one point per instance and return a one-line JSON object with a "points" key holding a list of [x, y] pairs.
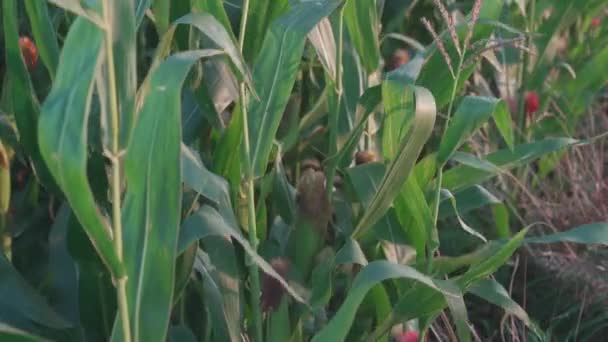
{"points": [[29, 52], [408, 336], [532, 102], [596, 22]]}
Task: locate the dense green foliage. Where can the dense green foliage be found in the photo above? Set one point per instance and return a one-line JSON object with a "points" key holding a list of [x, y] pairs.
{"points": [[275, 170]]}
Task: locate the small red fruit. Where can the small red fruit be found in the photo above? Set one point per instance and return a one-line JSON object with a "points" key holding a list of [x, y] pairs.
{"points": [[408, 336], [596, 22], [532, 103], [29, 52]]}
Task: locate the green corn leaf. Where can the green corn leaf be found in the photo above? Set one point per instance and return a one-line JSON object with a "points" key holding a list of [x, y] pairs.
{"points": [[25, 105], [22, 306], [196, 176], [8, 333], [162, 12], [76, 7], [473, 112], [221, 287], [122, 21], [398, 119], [63, 133], [278, 323], [400, 168], [216, 9], [275, 73], [487, 266], [141, 6], [590, 80], [216, 32], [436, 69], [475, 162], [594, 233], [181, 333], [463, 176], [152, 206], [208, 222], [493, 292], [322, 39], [414, 212], [44, 34], [262, 14], [467, 200], [63, 274], [365, 107], [452, 199], [372, 274], [351, 253], [361, 19]]}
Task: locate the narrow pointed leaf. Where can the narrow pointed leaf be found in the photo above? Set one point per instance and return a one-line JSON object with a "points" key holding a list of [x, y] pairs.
{"points": [[372, 274], [122, 21], [487, 266], [25, 105], [322, 39], [463, 176], [400, 169], [275, 74], [196, 176], [473, 112], [215, 31], [594, 233], [44, 34], [216, 9], [493, 292], [141, 6], [220, 291], [361, 19], [262, 14], [76, 7]]}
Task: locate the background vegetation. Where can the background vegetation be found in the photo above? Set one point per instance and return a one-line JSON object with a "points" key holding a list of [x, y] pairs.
{"points": [[284, 170]]}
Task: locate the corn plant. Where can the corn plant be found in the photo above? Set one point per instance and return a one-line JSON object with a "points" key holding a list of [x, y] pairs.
{"points": [[218, 171]]}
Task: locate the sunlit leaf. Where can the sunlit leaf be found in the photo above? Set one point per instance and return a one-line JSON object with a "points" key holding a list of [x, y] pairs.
{"points": [[400, 168], [152, 205], [372, 274], [63, 133], [275, 73]]}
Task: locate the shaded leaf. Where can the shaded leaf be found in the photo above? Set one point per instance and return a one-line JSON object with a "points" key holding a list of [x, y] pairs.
{"points": [[8, 333], [208, 222], [225, 318], [21, 302]]}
